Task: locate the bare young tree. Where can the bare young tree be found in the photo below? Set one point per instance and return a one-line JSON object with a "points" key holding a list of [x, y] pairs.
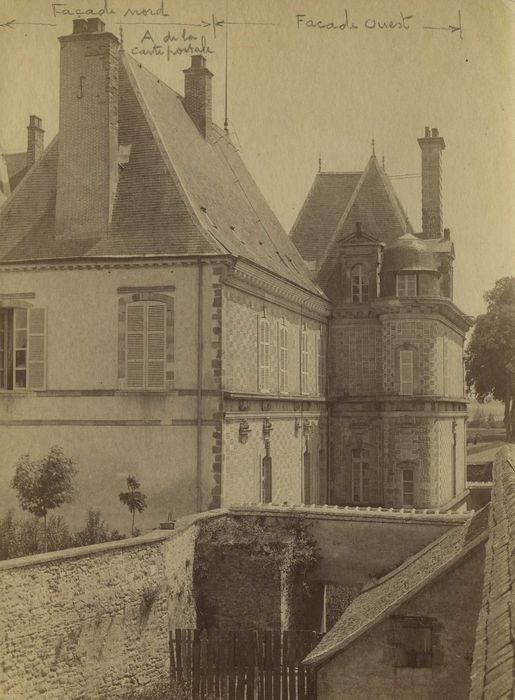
{"points": [[133, 498]]}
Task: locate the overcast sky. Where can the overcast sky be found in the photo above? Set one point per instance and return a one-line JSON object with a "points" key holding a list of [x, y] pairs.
{"points": [[296, 90]]}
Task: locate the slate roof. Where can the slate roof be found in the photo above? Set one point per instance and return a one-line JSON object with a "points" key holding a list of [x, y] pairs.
{"points": [[178, 194], [375, 604], [336, 202], [493, 666], [16, 167]]}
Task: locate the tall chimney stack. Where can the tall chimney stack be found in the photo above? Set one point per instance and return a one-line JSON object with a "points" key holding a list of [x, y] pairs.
{"points": [[35, 140], [87, 174], [432, 146], [197, 94]]}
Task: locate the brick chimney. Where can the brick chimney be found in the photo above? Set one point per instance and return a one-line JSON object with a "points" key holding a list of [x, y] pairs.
{"points": [[87, 173], [197, 94], [431, 146], [35, 140]]}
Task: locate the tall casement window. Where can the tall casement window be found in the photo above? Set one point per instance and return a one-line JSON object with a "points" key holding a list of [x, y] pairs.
{"points": [[406, 372], [264, 354], [408, 481], [146, 345], [359, 284], [265, 480], [320, 363], [360, 475], [304, 362], [407, 284], [283, 359], [22, 348]]}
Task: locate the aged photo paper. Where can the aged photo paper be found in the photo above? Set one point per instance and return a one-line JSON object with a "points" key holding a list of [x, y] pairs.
{"points": [[245, 450]]}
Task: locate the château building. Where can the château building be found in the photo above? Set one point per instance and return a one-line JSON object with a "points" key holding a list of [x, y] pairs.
{"points": [[156, 320]]}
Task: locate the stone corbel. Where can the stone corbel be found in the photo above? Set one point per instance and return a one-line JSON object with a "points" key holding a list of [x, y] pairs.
{"points": [[244, 431]]}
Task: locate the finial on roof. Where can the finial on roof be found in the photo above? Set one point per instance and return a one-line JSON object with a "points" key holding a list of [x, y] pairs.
{"points": [[358, 229], [373, 146], [121, 36], [319, 162]]}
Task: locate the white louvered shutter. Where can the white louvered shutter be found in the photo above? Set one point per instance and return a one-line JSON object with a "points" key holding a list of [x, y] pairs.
{"points": [[136, 346], [156, 345], [36, 350], [406, 372]]}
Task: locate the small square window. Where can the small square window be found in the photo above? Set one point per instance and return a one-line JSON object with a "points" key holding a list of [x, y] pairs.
{"points": [[413, 640]]}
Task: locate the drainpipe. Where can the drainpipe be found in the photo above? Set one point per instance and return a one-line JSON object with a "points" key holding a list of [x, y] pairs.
{"points": [[200, 363]]}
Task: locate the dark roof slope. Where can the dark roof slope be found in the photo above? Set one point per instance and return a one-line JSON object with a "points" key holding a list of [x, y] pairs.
{"points": [[178, 194], [322, 210], [378, 602], [493, 666], [333, 206]]}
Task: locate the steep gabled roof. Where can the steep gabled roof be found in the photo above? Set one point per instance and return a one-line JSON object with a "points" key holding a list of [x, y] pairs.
{"points": [[336, 202], [375, 604], [178, 193]]}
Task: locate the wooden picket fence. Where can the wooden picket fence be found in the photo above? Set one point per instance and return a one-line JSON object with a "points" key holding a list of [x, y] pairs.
{"points": [[243, 664]]}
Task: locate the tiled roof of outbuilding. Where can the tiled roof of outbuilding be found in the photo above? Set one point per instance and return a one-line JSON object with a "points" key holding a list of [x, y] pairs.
{"points": [[178, 194], [378, 602], [493, 667]]}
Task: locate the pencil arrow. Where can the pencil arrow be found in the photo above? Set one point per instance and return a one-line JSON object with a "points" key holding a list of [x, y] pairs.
{"points": [[12, 22], [452, 28]]}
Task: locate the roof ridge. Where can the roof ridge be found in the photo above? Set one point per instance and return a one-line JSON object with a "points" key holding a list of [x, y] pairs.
{"points": [[126, 63]]}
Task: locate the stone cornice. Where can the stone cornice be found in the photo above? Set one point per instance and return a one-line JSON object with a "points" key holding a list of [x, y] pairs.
{"points": [[252, 279], [385, 307], [109, 262]]}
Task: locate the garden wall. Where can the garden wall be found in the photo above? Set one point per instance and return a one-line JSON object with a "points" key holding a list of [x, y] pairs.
{"points": [[92, 622]]}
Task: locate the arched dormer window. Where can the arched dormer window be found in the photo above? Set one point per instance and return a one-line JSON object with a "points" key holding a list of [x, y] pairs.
{"points": [[359, 284]]}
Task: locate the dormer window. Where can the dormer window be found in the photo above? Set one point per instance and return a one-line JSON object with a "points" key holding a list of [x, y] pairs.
{"points": [[359, 284], [407, 284]]}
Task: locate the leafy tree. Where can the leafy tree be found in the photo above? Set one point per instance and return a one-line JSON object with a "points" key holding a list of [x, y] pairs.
{"points": [[44, 484], [490, 356], [133, 498]]}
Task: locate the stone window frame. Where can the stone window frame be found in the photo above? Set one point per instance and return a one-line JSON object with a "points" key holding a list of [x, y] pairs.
{"points": [[125, 298], [363, 283]]}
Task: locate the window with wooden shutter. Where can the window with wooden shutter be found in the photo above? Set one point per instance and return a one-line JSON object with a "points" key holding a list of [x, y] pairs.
{"points": [[36, 349], [22, 348], [406, 372], [283, 359], [304, 362], [146, 345], [264, 354]]}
